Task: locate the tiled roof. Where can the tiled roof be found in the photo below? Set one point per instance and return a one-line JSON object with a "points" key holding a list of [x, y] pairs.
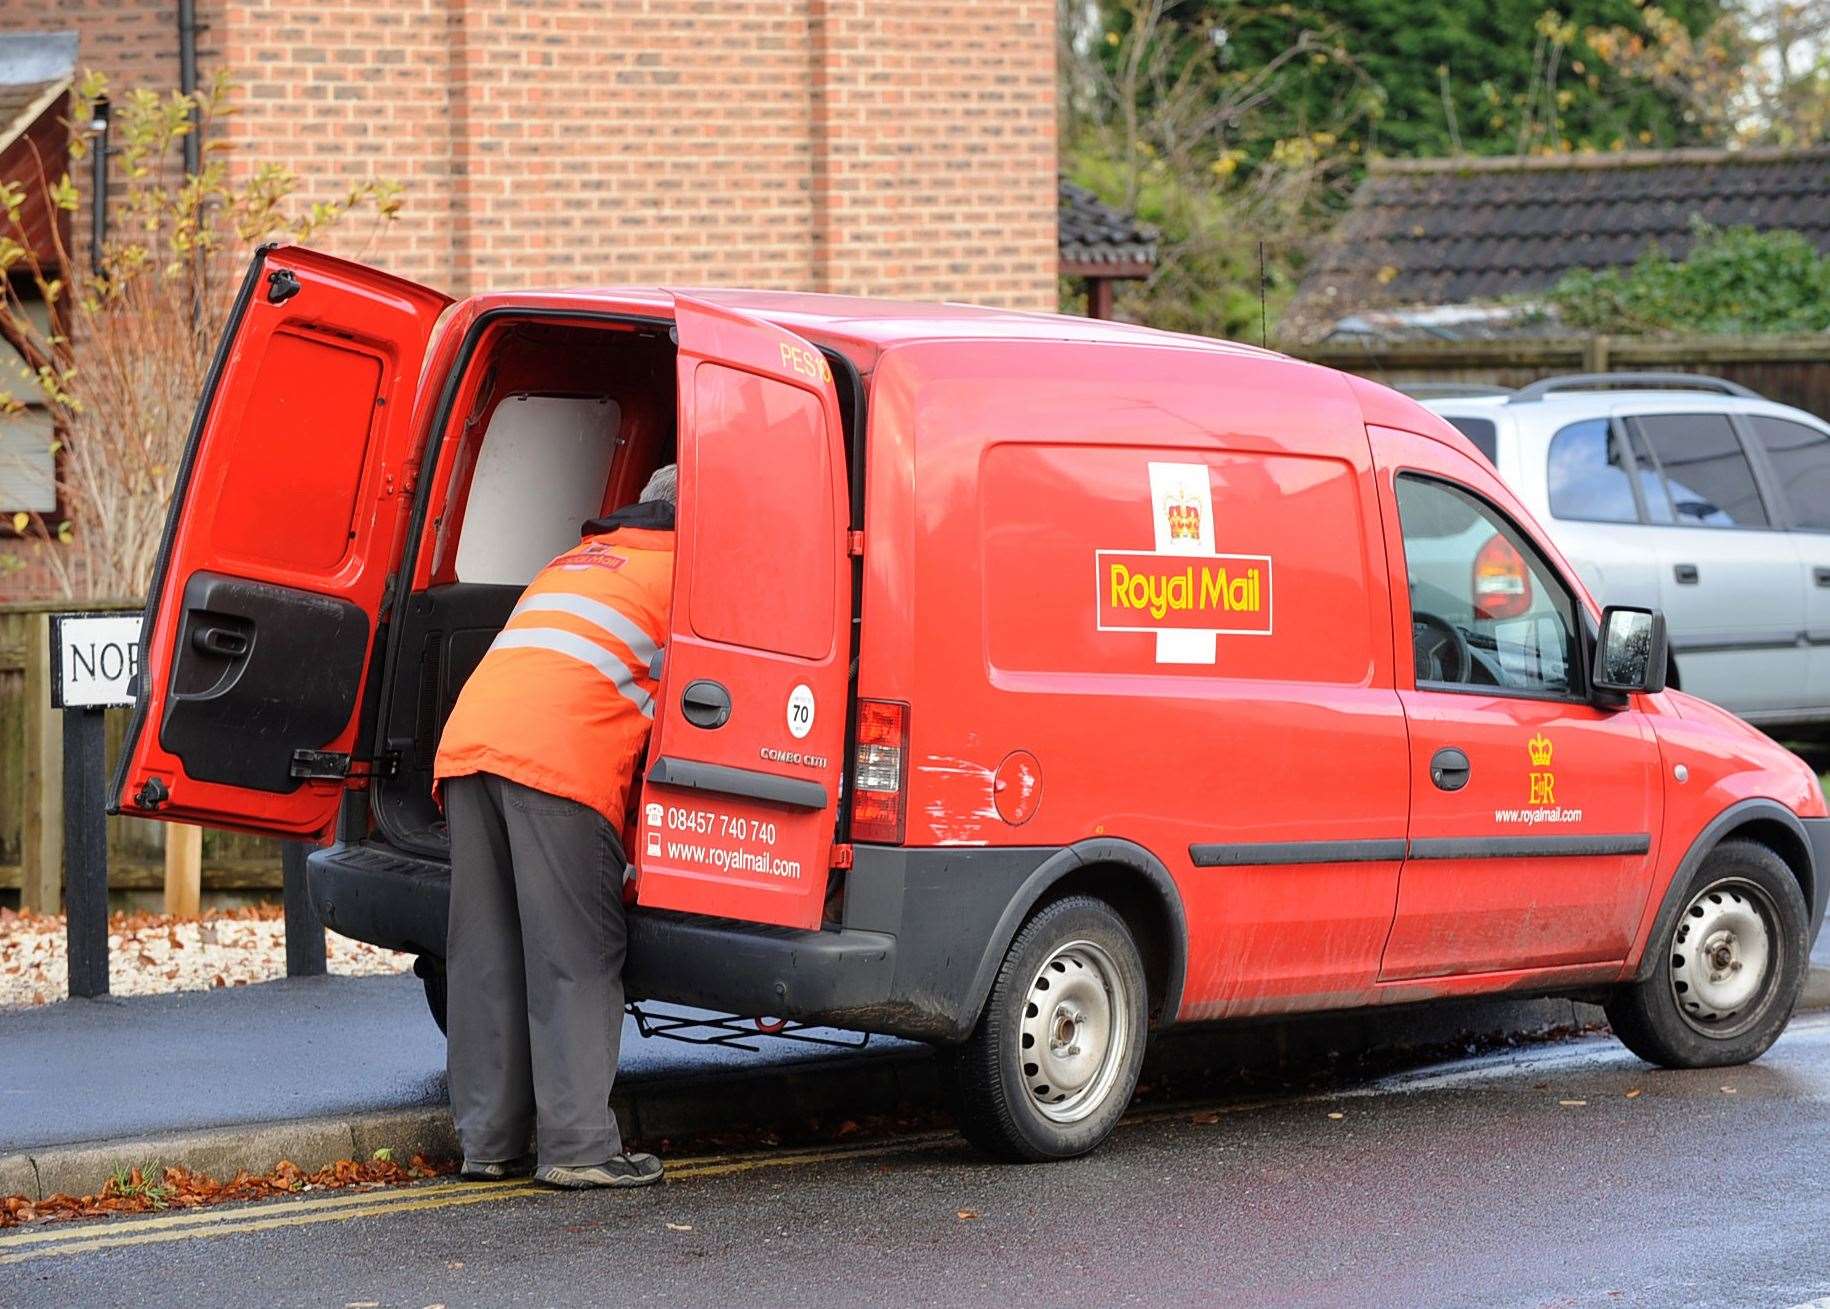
{"points": [[1442, 231], [33, 67], [1092, 232]]}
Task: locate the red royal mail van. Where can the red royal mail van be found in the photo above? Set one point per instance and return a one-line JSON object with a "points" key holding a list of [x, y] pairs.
{"points": [[1033, 681]]}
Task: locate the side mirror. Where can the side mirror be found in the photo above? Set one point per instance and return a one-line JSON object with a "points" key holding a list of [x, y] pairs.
{"points": [[1630, 655]]}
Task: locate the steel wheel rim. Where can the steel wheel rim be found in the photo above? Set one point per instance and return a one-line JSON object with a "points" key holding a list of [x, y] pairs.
{"points": [[1724, 955], [1076, 1032]]}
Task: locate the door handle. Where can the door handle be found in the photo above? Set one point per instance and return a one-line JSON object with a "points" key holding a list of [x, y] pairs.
{"points": [[1821, 576], [706, 704], [1449, 769], [222, 642], [1686, 574]]}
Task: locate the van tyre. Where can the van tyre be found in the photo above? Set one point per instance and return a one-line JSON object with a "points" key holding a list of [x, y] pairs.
{"points": [[1727, 971], [1055, 1056]]}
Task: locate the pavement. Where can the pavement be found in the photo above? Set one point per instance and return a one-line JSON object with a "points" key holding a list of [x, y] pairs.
{"points": [[318, 1069], [1568, 1174]]}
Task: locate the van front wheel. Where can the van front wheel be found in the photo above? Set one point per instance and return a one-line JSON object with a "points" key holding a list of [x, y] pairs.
{"points": [[1727, 971], [1055, 1056]]}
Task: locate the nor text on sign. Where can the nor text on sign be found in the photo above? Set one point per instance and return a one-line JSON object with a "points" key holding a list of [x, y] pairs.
{"points": [[95, 659]]}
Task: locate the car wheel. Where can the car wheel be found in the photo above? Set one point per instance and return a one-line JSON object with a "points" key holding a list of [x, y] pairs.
{"points": [[432, 972], [1055, 1056], [1728, 969]]}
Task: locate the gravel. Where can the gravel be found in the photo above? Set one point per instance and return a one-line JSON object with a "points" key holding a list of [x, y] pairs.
{"points": [[153, 954]]}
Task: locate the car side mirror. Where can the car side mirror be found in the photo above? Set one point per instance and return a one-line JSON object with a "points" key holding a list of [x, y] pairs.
{"points": [[1630, 654]]}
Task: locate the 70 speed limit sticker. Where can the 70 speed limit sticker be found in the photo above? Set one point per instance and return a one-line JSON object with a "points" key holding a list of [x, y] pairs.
{"points": [[800, 711]]}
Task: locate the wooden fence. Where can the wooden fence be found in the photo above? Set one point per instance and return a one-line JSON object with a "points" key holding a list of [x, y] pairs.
{"points": [[1793, 370], [31, 796]]}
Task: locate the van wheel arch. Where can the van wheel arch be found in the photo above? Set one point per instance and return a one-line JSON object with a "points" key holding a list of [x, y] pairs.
{"points": [[1765, 822], [1138, 887]]}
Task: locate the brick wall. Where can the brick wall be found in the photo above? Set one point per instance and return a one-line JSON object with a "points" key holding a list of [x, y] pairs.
{"points": [[935, 172], [895, 147], [888, 147]]}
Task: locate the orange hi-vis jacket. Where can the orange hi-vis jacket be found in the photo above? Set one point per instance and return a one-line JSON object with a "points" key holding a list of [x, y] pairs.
{"points": [[564, 699]]}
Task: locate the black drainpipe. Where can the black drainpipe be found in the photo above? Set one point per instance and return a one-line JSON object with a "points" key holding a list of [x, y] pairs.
{"points": [[98, 184], [187, 81]]}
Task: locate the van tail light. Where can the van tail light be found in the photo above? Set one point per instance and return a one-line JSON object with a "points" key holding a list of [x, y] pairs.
{"points": [[880, 773], [1502, 585]]}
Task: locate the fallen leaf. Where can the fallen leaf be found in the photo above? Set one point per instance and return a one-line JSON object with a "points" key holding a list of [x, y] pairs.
{"points": [[1204, 1120], [1635, 1093], [1728, 1090], [1337, 1115], [967, 1215], [679, 1227], [455, 1263]]}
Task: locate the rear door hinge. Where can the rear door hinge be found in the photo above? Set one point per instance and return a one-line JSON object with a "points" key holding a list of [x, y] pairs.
{"points": [[841, 855], [310, 765], [854, 544]]}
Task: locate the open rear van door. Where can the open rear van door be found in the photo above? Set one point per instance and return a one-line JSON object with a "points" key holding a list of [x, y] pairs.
{"points": [[285, 522], [738, 805]]}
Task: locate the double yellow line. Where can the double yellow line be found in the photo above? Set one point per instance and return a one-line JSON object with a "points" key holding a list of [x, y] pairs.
{"points": [[41, 1241]]}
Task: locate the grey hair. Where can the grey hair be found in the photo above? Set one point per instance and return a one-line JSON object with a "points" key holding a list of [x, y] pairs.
{"points": [[663, 486]]}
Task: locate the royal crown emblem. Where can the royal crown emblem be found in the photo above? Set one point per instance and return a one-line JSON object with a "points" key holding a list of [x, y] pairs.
{"points": [[1540, 748], [1184, 515]]}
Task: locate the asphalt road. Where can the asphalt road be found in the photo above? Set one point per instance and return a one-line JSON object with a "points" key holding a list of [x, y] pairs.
{"points": [[1534, 1177]]}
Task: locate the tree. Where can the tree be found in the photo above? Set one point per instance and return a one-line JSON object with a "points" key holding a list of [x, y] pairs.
{"points": [[1496, 77], [1758, 75], [1163, 124], [120, 357]]}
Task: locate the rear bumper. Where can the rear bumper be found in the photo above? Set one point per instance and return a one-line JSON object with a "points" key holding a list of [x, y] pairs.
{"points": [[843, 978]]}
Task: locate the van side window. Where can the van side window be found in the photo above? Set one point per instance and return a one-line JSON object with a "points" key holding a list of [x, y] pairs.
{"points": [[1705, 470], [1588, 473], [1801, 457], [1487, 612]]}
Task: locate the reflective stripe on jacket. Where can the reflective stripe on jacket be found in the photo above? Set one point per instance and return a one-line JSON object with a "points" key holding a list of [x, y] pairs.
{"points": [[564, 699]]}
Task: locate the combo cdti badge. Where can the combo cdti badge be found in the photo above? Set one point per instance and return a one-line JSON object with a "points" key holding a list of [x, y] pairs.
{"points": [[1033, 682]]}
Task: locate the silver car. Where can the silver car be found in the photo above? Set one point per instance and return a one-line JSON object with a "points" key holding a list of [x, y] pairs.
{"points": [[1689, 493]]}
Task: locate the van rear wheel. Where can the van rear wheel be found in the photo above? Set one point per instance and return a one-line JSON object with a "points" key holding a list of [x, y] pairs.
{"points": [[1055, 1056], [1728, 969]]}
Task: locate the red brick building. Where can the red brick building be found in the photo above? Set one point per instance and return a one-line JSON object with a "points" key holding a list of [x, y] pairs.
{"points": [[892, 147], [899, 147]]}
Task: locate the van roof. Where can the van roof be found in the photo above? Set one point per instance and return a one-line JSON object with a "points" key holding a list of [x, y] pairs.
{"points": [[868, 326], [876, 323]]}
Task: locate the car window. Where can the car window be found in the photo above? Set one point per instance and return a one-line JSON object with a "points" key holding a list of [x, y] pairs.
{"points": [[1705, 470], [1801, 457], [1487, 612], [1588, 474], [1481, 431]]}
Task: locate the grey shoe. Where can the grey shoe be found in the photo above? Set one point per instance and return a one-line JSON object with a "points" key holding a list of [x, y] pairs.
{"points": [[481, 1171], [621, 1170]]}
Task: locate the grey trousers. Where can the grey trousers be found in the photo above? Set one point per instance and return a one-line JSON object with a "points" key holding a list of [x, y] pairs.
{"points": [[534, 960]]}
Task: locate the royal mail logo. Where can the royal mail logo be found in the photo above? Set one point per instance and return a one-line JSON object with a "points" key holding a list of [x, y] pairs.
{"points": [[1183, 590], [1148, 591], [1543, 782]]}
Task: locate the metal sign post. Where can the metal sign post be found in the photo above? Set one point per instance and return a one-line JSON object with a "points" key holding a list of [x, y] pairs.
{"points": [[94, 658]]}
